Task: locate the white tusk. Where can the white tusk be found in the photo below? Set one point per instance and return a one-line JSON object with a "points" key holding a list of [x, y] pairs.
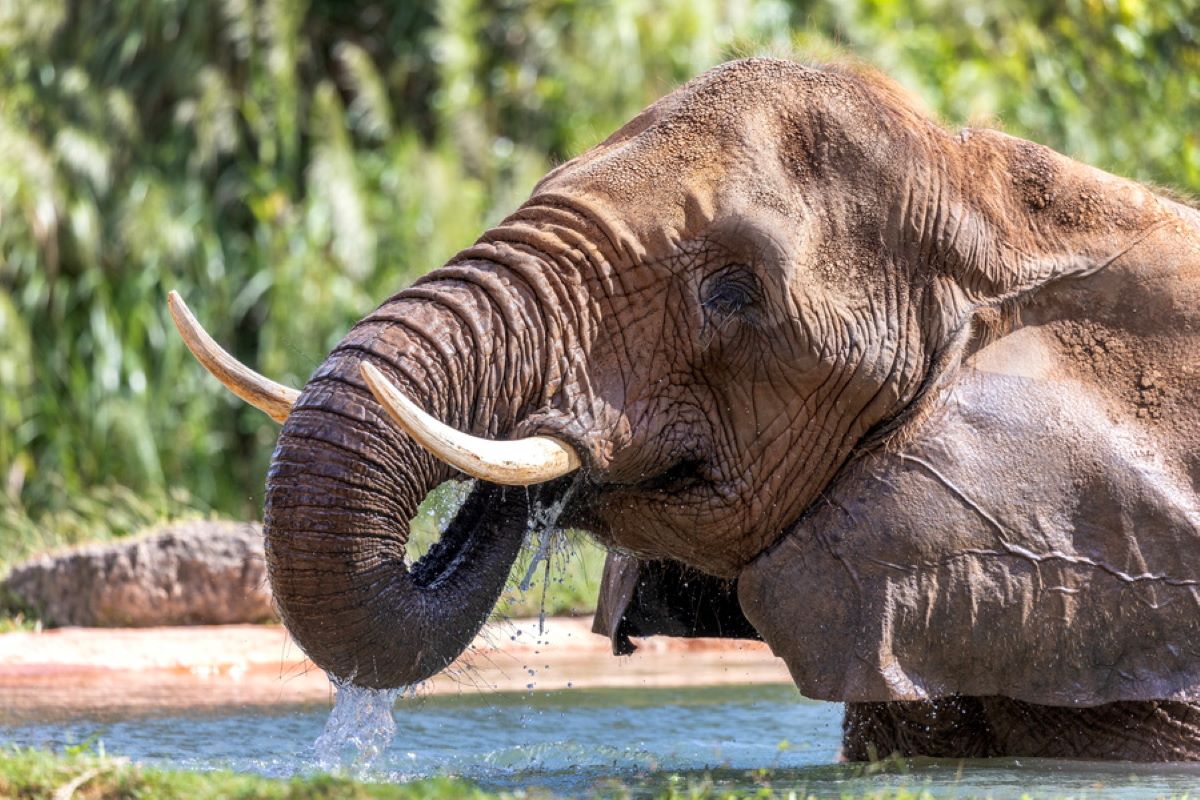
{"points": [[273, 399], [519, 462]]}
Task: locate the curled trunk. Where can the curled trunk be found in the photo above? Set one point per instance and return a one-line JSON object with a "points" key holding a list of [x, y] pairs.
{"points": [[345, 482]]}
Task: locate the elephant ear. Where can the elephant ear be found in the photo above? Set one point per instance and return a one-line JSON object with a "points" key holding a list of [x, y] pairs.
{"points": [[641, 597], [1020, 545], [1022, 216]]}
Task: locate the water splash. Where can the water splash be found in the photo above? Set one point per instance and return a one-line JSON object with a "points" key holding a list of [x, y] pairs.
{"points": [[360, 728], [434, 515], [543, 524], [551, 539], [361, 725]]}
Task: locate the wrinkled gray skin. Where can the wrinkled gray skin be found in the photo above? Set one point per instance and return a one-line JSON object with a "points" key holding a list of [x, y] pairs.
{"points": [[749, 311], [944, 568], [949, 567]]}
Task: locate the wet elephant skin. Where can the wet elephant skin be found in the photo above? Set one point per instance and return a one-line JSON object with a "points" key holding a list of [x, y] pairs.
{"points": [[928, 399]]}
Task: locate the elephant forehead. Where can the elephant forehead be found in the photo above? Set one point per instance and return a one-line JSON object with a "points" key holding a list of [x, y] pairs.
{"points": [[672, 179], [733, 139], [754, 139]]}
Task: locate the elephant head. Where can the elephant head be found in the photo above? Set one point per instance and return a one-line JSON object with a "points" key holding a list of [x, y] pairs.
{"points": [[692, 329]]}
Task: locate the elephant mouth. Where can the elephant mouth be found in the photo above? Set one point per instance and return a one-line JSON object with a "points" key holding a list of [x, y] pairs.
{"points": [[594, 499], [684, 475]]}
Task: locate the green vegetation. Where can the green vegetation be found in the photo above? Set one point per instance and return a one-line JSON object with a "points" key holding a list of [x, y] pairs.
{"points": [[287, 164], [567, 586], [35, 774], [28, 774]]}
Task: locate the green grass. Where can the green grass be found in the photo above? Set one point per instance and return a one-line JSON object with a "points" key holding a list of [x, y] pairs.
{"points": [[15, 615], [31, 774], [34, 774]]}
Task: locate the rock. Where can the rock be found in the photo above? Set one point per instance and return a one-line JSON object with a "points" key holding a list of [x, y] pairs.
{"points": [[186, 573]]}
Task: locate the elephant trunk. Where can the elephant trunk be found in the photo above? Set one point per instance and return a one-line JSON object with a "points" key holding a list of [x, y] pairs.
{"points": [[345, 481]]}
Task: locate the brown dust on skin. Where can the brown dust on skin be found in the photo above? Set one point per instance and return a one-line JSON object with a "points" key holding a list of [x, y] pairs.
{"points": [[1124, 330], [771, 269], [1064, 577], [753, 322], [872, 236]]}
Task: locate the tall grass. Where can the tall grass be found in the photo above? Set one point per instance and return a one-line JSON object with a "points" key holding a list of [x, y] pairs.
{"points": [[287, 164]]}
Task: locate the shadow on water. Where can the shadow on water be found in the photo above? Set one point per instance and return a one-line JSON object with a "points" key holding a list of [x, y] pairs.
{"points": [[583, 742]]}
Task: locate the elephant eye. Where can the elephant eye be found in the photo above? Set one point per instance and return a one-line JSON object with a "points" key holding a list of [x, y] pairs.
{"points": [[729, 291]]}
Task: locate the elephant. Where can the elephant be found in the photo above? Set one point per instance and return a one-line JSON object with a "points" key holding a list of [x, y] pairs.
{"points": [[919, 408]]}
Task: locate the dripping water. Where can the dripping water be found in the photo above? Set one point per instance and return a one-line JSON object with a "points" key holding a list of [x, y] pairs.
{"points": [[550, 540], [361, 725], [434, 516], [359, 729]]}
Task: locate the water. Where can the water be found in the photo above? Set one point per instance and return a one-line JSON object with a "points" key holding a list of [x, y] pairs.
{"points": [[583, 742], [543, 528], [550, 540], [544, 540], [360, 728]]}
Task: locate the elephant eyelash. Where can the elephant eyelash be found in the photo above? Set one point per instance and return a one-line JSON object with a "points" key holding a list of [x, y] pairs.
{"points": [[729, 291]]}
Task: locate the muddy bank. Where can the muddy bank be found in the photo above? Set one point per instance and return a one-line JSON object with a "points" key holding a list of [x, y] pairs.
{"points": [[89, 669]]}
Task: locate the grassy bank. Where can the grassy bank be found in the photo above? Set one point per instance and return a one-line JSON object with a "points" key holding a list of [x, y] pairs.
{"points": [[31, 774], [27, 773]]}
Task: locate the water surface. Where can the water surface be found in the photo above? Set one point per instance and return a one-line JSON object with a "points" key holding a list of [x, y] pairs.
{"points": [[585, 742]]}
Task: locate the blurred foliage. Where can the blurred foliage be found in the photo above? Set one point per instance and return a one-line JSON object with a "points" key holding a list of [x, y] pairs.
{"points": [[1114, 83], [287, 164], [102, 512]]}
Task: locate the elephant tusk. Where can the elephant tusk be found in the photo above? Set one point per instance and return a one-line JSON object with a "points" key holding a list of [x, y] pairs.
{"points": [[273, 399], [519, 462]]}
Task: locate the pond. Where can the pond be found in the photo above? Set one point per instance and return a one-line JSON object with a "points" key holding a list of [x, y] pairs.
{"points": [[582, 742]]}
